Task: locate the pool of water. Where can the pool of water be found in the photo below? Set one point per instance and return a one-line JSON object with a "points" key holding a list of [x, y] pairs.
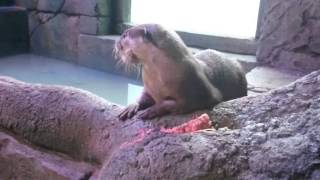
{"points": [[36, 69]]}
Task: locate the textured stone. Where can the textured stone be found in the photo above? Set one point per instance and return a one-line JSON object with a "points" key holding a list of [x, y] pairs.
{"points": [[50, 6], [88, 25], [270, 136], [290, 35], [104, 25], [80, 7], [29, 4], [57, 36], [87, 7], [22, 161], [84, 7], [94, 25]]}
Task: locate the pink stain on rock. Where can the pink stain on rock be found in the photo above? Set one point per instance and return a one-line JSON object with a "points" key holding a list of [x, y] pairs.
{"points": [[198, 123]]}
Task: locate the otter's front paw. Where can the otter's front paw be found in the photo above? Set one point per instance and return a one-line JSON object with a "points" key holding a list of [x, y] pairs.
{"points": [[147, 114], [129, 112]]}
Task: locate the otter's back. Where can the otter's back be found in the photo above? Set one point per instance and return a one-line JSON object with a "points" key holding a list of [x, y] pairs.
{"points": [[226, 75]]}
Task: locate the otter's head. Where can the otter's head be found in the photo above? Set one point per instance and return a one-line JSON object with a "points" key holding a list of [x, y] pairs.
{"points": [[137, 44]]}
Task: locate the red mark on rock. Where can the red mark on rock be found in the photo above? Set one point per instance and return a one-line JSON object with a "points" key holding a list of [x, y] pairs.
{"points": [[142, 133], [199, 123]]}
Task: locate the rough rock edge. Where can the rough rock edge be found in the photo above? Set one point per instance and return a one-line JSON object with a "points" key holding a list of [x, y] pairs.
{"points": [[275, 135], [22, 160]]}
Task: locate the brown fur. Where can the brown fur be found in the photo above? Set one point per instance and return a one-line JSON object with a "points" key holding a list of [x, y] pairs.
{"points": [[174, 80]]}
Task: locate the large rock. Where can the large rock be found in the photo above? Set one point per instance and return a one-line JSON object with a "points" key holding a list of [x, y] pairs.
{"points": [[22, 161], [94, 25], [56, 36], [29, 4], [50, 6], [87, 7], [79, 7], [270, 136], [290, 34]]}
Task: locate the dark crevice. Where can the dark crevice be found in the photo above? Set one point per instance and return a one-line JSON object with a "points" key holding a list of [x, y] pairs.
{"points": [[86, 176], [306, 50], [41, 22]]}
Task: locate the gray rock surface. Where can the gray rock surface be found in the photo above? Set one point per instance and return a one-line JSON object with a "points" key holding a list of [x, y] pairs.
{"points": [[290, 34], [29, 4], [57, 36], [72, 7], [88, 25], [50, 6], [87, 7], [54, 26], [275, 135], [271, 136], [94, 25], [19, 160]]}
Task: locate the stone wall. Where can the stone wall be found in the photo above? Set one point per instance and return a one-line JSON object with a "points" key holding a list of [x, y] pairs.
{"points": [[290, 34], [55, 25]]}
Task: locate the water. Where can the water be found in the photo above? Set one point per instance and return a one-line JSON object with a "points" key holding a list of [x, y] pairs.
{"points": [[36, 69]]}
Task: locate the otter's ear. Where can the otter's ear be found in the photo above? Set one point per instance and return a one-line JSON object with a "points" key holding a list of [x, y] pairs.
{"points": [[148, 35]]}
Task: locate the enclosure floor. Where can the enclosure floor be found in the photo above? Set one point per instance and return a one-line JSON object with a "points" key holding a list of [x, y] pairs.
{"points": [[36, 69]]}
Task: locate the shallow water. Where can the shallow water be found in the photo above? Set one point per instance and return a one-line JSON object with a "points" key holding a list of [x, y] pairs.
{"points": [[36, 69]]}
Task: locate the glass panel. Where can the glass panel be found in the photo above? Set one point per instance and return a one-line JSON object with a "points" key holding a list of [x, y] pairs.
{"points": [[228, 18]]}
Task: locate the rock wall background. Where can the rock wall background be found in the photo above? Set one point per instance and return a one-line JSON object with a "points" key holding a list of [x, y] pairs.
{"points": [[290, 34], [55, 26]]}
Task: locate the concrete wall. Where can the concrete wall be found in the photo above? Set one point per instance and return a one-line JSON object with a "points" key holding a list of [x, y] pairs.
{"points": [[55, 26], [290, 34]]}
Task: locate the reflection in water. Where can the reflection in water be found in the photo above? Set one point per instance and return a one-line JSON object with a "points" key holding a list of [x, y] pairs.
{"points": [[37, 69]]}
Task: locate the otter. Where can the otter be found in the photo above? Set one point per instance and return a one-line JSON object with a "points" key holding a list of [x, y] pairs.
{"points": [[176, 81]]}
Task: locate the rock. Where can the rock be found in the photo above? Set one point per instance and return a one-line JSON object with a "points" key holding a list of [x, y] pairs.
{"points": [[29, 4], [20, 161], [274, 135], [76, 7], [50, 6], [94, 25], [57, 36], [290, 35], [88, 25]]}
